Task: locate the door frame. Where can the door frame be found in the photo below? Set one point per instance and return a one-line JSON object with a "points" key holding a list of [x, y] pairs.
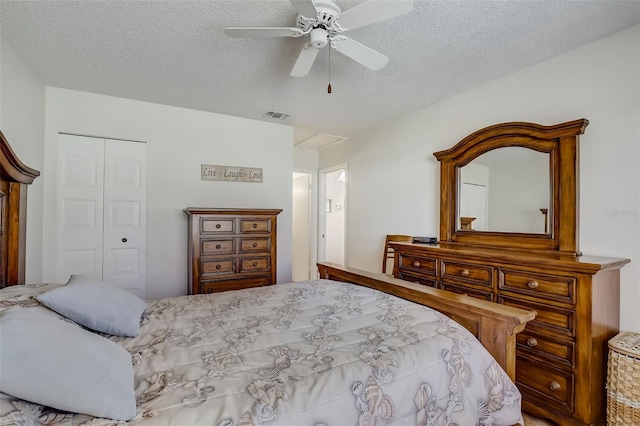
{"points": [[322, 213], [313, 219]]}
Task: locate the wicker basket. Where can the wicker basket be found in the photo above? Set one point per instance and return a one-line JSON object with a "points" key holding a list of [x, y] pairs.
{"points": [[623, 380]]}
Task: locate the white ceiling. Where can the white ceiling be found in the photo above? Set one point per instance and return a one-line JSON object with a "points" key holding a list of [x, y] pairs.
{"points": [[176, 53]]}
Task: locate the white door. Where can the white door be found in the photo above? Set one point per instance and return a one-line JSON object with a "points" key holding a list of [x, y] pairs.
{"points": [[332, 211], [304, 225], [80, 206], [124, 215], [102, 210], [473, 203]]}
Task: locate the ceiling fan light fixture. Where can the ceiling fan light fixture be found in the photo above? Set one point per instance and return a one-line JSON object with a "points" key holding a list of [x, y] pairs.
{"points": [[319, 38]]}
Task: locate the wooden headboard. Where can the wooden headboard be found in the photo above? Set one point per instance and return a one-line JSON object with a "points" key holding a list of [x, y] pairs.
{"points": [[14, 178]]}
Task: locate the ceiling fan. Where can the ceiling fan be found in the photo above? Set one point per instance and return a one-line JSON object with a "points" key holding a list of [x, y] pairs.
{"points": [[325, 23]]}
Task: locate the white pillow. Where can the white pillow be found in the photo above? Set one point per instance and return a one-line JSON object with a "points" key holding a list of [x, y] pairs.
{"points": [[97, 305], [49, 361]]}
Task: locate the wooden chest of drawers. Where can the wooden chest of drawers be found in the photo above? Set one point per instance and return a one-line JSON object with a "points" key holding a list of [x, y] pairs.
{"points": [[561, 355], [231, 249]]}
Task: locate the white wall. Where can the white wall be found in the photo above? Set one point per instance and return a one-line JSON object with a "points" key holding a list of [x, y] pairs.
{"points": [[394, 178], [179, 141], [517, 193], [305, 159], [22, 117]]}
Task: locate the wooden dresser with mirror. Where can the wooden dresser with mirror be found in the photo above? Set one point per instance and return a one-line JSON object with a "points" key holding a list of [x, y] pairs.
{"points": [[519, 181]]}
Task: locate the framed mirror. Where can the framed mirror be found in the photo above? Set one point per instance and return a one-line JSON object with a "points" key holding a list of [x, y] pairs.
{"points": [[512, 185], [505, 190]]}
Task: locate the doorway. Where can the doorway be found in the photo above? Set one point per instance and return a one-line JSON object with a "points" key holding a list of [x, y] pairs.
{"points": [[304, 225], [333, 214]]}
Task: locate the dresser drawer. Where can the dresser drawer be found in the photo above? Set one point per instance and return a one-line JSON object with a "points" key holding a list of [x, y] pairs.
{"points": [[549, 318], [477, 274], [419, 279], [468, 291], [423, 265], [541, 383], [213, 247], [227, 285], [216, 266], [539, 286], [255, 225], [217, 226], [255, 264], [253, 245], [560, 353]]}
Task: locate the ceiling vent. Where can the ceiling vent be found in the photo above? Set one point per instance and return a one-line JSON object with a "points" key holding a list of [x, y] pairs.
{"points": [[276, 115]]}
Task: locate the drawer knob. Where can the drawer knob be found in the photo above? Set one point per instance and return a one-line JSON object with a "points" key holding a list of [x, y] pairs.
{"points": [[554, 386], [218, 266], [532, 342], [255, 244], [255, 263], [416, 264], [532, 284], [218, 226], [464, 272], [255, 225], [218, 246]]}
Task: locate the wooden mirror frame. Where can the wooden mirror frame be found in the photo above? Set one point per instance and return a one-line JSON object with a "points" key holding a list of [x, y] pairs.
{"points": [[14, 178], [561, 142]]}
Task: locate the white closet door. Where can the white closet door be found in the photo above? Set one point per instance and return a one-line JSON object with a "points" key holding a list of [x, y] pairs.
{"points": [[102, 211], [80, 206], [473, 203], [124, 215]]}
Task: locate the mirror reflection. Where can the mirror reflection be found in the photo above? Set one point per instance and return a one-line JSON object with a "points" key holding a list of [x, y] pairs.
{"points": [[505, 190]]}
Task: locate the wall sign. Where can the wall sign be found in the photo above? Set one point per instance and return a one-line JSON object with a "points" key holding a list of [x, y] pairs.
{"points": [[230, 173]]}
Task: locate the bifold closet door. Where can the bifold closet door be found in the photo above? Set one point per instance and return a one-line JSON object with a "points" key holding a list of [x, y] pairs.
{"points": [[102, 210]]}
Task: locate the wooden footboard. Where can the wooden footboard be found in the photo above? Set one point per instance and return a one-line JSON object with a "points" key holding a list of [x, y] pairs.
{"points": [[493, 324]]}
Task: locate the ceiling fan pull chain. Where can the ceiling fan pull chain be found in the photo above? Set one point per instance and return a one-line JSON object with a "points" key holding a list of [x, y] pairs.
{"points": [[329, 86]]}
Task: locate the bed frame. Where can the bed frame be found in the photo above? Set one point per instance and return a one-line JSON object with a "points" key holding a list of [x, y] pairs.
{"points": [[14, 178], [493, 324]]}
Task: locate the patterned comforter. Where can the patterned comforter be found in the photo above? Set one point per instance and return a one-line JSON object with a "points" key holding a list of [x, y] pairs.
{"points": [[309, 353]]}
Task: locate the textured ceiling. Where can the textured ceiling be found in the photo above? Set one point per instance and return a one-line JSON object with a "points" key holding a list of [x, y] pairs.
{"points": [[176, 53]]}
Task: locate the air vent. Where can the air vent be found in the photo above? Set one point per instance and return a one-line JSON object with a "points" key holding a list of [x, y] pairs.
{"points": [[276, 115]]}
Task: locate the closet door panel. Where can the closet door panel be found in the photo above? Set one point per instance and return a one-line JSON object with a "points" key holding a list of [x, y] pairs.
{"points": [[80, 206], [125, 215]]}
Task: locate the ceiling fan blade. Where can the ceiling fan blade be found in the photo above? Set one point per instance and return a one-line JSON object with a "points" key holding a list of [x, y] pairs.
{"points": [[263, 32], [305, 60], [305, 8], [360, 53], [373, 11]]}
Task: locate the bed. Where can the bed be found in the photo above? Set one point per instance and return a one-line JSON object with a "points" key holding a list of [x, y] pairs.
{"points": [[352, 347]]}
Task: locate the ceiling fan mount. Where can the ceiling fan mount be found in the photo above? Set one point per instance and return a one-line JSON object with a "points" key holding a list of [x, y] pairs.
{"points": [[326, 13], [324, 23]]}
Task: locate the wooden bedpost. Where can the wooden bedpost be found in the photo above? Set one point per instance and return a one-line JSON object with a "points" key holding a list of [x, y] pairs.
{"points": [[14, 178]]}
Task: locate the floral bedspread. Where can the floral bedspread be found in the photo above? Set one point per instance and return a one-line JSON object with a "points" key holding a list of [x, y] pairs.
{"points": [[316, 353]]}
